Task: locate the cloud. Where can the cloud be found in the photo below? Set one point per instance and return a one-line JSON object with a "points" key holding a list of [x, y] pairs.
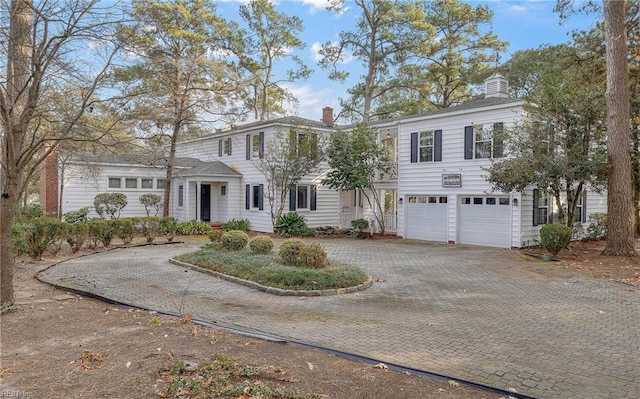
{"points": [[311, 101], [316, 5]]}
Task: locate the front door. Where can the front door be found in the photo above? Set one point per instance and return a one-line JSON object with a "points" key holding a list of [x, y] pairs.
{"points": [[205, 202]]}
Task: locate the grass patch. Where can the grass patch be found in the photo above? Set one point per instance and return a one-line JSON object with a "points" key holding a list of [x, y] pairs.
{"points": [[269, 271], [227, 378]]}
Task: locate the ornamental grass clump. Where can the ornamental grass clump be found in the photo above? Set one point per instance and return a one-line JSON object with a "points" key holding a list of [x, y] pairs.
{"points": [[261, 244], [555, 237], [234, 240], [290, 251]]}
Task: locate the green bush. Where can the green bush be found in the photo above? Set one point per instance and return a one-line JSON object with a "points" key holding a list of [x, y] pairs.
{"points": [[79, 216], [151, 202], [76, 235], [555, 237], [95, 230], [360, 224], [148, 226], [291, 250], [193, 228], [234, 240], [109, 204], [597, 229], [31, 211], [126, 229], [39, 233], [293, 224], [261, 244], [18, 240], [215, 235], [313, 255], [236, 224], [168, 227]]}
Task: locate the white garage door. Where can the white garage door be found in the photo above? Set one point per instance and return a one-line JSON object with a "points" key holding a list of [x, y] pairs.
{"points": [[427, 217], [485, 221]]}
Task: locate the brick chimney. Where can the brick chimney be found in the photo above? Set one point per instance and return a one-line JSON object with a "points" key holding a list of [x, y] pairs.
{"points": [[327, 116], [49, 185]]}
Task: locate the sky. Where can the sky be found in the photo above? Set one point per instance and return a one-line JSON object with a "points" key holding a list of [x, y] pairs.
{"points": [[525, 24]]}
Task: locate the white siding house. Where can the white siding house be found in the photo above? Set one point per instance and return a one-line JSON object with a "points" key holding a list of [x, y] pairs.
{"points": [[436, 189]]}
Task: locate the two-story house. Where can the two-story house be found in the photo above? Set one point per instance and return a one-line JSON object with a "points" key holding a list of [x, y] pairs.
{"points": [[435, 191]]}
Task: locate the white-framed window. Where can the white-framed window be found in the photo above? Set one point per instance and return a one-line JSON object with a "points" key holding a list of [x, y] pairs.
{"points": [[302, 197], [255, 146], [482, 141], [131, 182], [426, 146], [181, 195], [540, 207], [227, 147], [115, 182], [146, 183], [161, 183], [579, 207], [223, 191], [255, 197]]}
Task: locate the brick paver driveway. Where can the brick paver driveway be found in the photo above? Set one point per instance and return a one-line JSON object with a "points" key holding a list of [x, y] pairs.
{"points": [[478, 314]]}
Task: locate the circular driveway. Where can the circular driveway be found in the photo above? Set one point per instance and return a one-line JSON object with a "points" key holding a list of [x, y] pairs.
{"points": [[479, 314]]}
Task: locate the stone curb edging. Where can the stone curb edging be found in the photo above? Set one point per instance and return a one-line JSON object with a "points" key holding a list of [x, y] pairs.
{"points": [[276, 291]]}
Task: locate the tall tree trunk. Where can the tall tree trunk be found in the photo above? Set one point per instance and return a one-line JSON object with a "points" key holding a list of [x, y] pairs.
{"points": [[14, 123], [620, 237], [170, 163]]}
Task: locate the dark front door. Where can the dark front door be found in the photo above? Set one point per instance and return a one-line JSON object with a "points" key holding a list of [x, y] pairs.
{"points": [[205, 202]]}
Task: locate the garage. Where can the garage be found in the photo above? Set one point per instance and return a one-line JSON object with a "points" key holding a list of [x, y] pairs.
{"points": [[427, 217], [485, 221]]}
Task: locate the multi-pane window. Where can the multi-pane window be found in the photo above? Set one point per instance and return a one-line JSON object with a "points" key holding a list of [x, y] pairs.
{"points": [[579, 208], [146, 183], [131, 183], [302, 197], [426, 146], [482, 141], [181, 195], [255, 145], [227, 147], [542, 207], [115, 182], [161, 183], [223, 190], [255, 196]]}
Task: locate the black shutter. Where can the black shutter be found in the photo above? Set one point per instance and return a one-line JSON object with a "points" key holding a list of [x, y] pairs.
{"points": [[247, 196], [498, 150], [468, 142], [584, 206], [248, 147], [292, 198], [437, 145], [261, 197], [414, 147], [229, 139], [219, 148], [261, 150], [314, 195], [536, 211]]}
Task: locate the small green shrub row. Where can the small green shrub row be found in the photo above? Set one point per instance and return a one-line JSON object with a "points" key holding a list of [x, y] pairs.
{"points": [[555, 237], [192, 228], [234, 240], [296, 252], [236, 224]]}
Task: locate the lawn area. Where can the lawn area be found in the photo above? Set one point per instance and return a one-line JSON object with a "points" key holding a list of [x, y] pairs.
{"points": [[268, 270]]}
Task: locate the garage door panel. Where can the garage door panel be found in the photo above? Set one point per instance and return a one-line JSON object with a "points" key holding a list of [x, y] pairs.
{"points": [[427, 221], [485, 223]]}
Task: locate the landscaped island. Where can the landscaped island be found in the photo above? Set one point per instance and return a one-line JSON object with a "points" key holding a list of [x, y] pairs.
{"points": [[298, 265]]}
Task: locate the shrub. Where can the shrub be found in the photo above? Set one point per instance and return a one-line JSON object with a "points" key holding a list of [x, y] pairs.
{"points": [[261, 244], [236, 224], [292, 224], [234, 240], [313, 255], [168, 227], [95, 230], [360, 224], [215, 235], [31, 211], [76, 235], [193, 228], [39, 233], [126, 229], [597, 229], [148, 227], [555, 237], [151, 202], [18, 241], [290, 251], [79, 216], [109, 204]]}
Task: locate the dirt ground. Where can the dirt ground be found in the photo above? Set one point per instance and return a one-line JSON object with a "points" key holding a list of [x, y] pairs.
{"points": [[62, 345]]}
